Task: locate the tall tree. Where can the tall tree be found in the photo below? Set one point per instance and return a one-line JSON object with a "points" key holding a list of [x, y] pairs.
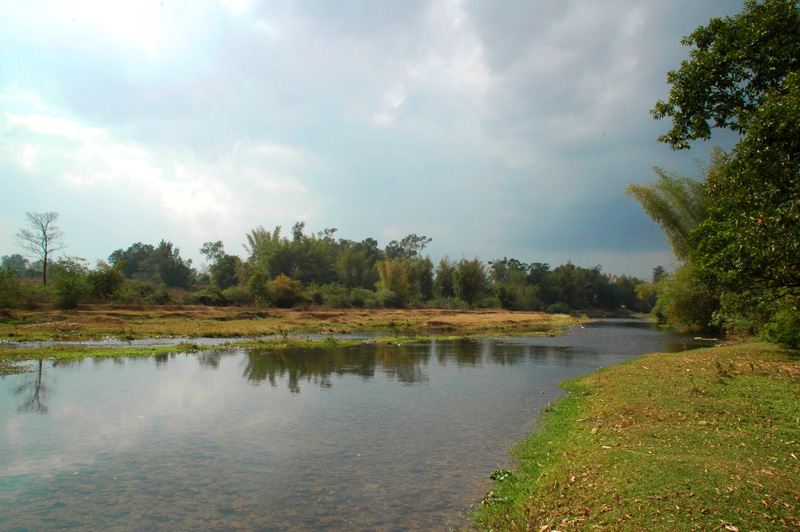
{"points": [[42, 237], [735, 64], [744, 75], [751, 239], [677, 203], [213, 250]]}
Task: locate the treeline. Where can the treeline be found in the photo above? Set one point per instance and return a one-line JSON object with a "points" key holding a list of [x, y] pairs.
{"points": [[736, 227], [317, 269]]}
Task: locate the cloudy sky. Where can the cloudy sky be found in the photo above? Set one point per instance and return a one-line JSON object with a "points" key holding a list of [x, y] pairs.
{"points": [[497, 128]]}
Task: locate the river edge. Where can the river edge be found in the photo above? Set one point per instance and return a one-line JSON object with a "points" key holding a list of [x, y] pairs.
{"points": [[101, 332], [706, 439]]}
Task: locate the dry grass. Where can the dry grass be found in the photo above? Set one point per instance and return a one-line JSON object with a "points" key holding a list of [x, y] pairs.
{"points": [[99, 322]]}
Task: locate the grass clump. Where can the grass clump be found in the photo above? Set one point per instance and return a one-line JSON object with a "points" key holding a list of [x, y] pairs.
{"points": [[699, 440]]}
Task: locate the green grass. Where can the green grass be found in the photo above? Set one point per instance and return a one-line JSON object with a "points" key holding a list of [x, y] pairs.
{"points": [[700, 440]]}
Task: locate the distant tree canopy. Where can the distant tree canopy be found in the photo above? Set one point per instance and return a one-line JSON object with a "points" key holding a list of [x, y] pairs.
{"points": [[160, 264], [15, 263]]}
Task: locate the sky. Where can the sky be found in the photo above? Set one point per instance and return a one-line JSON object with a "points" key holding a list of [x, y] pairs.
{"points": [[498, 129]]}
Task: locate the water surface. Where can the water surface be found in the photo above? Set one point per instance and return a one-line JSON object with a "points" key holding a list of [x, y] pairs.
{"points": [[371, 437]]}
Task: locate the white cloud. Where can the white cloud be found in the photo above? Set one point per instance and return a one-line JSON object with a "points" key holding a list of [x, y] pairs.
{"points": [[199, 195]]}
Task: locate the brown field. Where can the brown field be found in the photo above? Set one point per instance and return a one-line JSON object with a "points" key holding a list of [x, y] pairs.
{"points": [[197, 321]]}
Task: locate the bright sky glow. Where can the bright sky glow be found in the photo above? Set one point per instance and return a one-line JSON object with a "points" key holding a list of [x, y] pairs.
{"points": [[496, 128]]}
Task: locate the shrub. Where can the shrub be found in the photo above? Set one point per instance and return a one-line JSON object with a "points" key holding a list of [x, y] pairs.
{"points": [[10, 289], [211, 297], [687, 302], [784, 328], [335, 295], [160, 296], [506, 296], [105, 281], [452, 303], [70, 282], [285, 292], [389, 299], [558, 308], [527, 298], [236, 295], [258, 289], [360, 296]]}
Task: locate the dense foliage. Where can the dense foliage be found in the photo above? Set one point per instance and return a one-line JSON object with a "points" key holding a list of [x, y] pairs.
{"points": [[317, 269], [743, 251]]}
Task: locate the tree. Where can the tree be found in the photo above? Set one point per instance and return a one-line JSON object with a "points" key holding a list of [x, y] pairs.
{"points": [[135, 262], [42, 237], [409, 248], [171, 268], [470, 280], [676, 203], [213, 250], [736, 64], [394, 274], [751, 239], [224, 270], [70, 280], [15, 263], [742, 75], [444, 286]]}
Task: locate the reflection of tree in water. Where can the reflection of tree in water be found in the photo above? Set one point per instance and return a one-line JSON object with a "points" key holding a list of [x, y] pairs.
{"points": [[209, 359], [507, 354], [318, 366], [464, 352], [403, 363], [36, 391]]}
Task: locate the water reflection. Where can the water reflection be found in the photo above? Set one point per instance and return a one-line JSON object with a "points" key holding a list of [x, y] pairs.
{"points": [[34, 391], [383, 437]]}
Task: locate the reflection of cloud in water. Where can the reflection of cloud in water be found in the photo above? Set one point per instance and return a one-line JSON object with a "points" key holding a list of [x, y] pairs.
{"points": [[183, 435]]}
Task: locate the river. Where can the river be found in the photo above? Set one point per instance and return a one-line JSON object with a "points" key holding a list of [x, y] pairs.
{"points": [[376, 437]]}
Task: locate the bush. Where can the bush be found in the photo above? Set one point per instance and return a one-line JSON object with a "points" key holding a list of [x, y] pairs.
{"points": [[452, 303], [558, 308], [258, 289], [335, 295], [527, 298], [359, 297], [160, 296], [70, 282], [506, 296], [389, 299], [784, 328], [210, 297], [236, 295], [141, 292], [284, 292], [10, 289], [687, 302], [105, 281]]}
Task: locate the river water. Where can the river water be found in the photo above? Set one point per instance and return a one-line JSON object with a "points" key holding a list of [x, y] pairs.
{"points": [[372, 437]]}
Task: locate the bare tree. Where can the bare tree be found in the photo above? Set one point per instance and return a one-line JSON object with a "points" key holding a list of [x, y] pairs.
{"points": [[42, 237]]}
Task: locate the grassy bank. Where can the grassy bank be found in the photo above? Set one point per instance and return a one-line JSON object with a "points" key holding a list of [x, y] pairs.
{"points": [[700, 440]]}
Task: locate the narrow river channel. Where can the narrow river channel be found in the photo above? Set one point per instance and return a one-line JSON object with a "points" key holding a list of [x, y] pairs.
{"points": [[373, 437]]}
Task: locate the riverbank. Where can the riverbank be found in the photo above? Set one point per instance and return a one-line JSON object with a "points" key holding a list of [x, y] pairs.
{"points": [[227, 322], [700, 440], [270, 328]]}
